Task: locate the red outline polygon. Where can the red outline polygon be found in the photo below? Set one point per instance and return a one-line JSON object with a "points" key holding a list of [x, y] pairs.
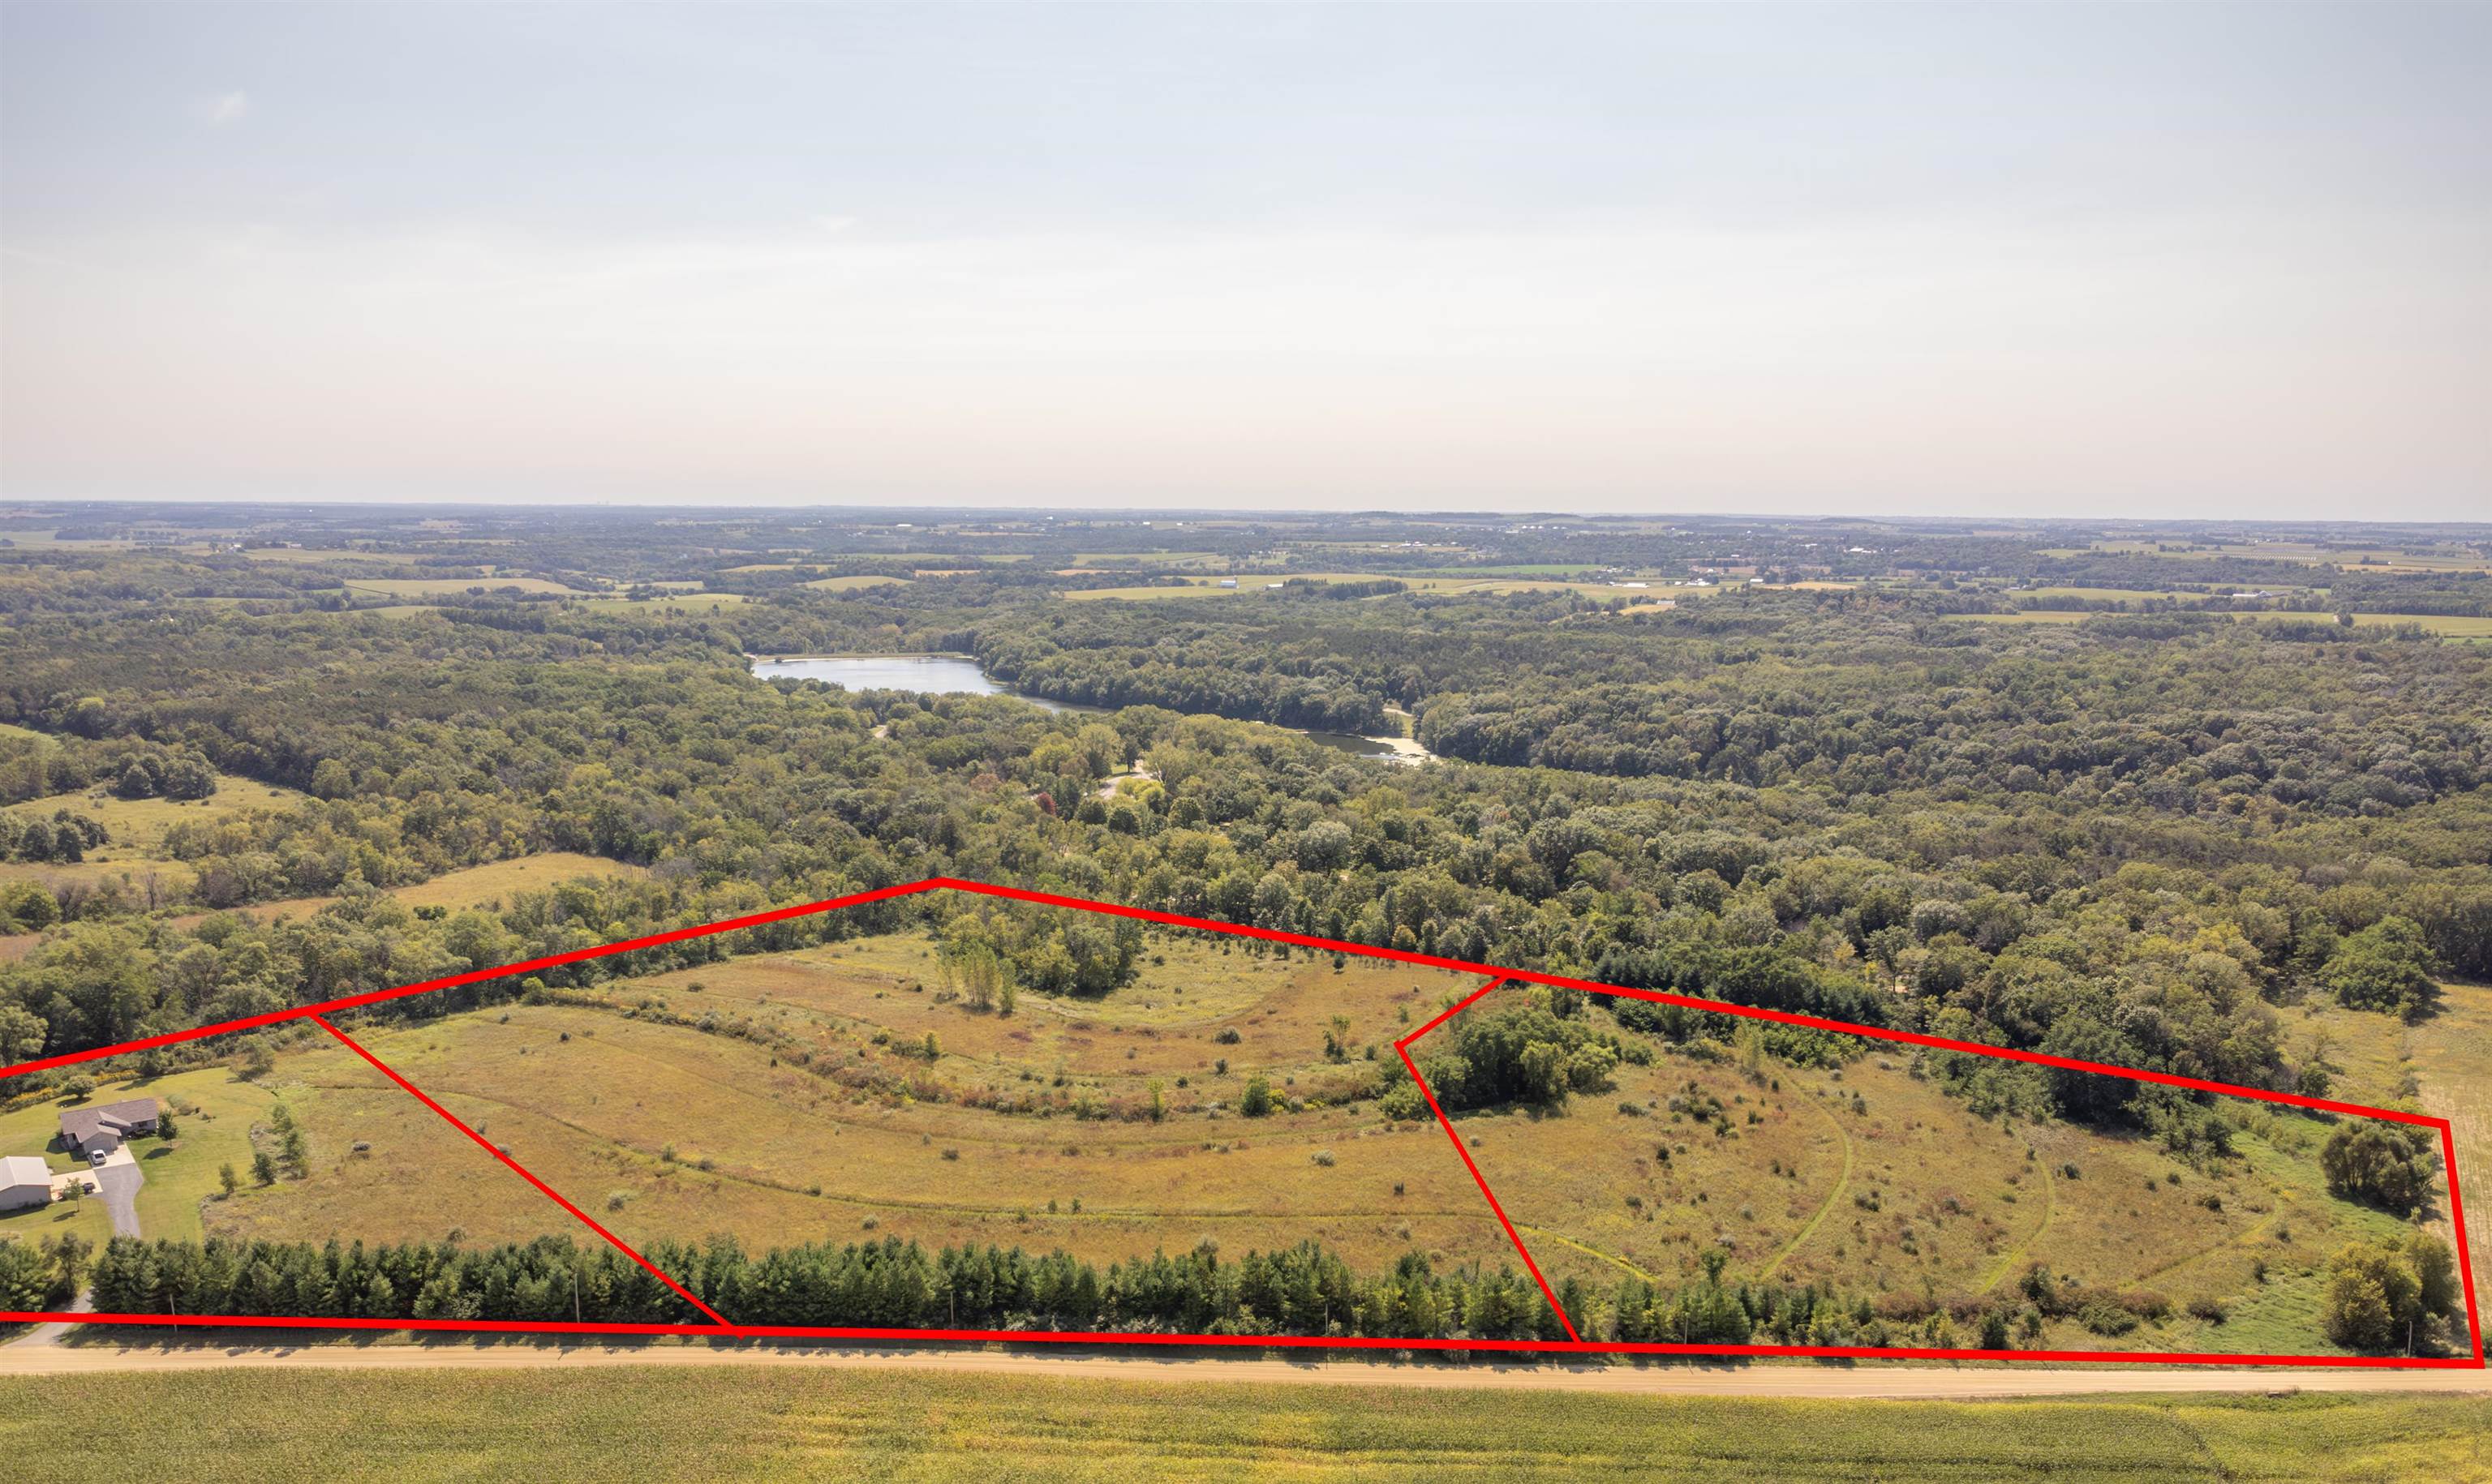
{"points": [[1572, 1346]]}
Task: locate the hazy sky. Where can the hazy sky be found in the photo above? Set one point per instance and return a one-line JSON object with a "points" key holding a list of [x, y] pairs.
{"points": [[2142, 260]]}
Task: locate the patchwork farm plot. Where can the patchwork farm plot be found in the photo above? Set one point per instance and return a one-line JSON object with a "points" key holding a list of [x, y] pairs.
{"points": [[1106, 1093]]}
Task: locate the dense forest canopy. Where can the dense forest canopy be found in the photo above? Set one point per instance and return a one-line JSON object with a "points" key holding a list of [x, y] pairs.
{"points": [[2129, 839]]}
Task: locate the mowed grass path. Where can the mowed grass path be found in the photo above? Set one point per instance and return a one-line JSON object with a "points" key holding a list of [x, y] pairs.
{"points": [[728, 1424], [661, 1131]]}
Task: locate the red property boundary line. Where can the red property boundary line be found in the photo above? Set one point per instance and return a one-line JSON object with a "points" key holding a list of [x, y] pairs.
{"points": [[1497, 976], [495, 1149]]}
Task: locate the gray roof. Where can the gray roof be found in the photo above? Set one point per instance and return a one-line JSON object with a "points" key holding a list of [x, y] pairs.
{"points": [[80, 1124], [23, 1170]]}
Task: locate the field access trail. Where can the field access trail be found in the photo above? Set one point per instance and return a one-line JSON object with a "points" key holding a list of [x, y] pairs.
{"points": [[1932, 1382]]}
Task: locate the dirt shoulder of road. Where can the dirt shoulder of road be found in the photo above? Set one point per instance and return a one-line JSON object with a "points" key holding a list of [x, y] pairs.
{"points": [[1672, 1380]]}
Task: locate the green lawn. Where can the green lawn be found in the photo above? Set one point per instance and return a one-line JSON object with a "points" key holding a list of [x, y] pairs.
{"points": [[785, 1422], [180, 1173]]}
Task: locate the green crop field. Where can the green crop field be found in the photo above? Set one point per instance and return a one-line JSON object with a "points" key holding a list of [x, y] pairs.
{"points": [[740, 1422]]}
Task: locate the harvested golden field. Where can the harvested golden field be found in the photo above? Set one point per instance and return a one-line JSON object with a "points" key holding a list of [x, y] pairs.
{"points": [[857, 584]]}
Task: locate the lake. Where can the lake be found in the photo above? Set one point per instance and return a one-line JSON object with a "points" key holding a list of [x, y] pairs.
{"points": [[958, 674]]}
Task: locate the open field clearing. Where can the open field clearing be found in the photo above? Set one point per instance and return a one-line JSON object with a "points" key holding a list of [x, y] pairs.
{"points": [[1027, 1130], [678, 602], [749, 1423], [149, 883], [2453, 626], [1261, 582], [2448, 1061], [1875, 1179], [2433, 559], [416, 1178], [475, 886], [137, 826], [436, 587], [855, 584], [848, 1092]]}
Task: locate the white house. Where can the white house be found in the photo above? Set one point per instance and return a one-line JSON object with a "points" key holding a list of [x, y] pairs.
{"points": [[25, 1180]]}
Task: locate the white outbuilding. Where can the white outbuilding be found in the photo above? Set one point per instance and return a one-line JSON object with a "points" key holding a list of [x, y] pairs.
{"points": [[25, 1180]]}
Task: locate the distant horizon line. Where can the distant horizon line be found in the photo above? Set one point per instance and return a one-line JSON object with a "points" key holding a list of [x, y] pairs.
{"points": [[17, 505]]}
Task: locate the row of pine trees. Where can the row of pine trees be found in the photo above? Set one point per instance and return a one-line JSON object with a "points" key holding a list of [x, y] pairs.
{"points": [[1302, 1290]]}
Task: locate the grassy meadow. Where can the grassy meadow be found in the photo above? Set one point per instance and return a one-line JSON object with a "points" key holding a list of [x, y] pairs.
{"points": [[475, 886], [133, 857], [724, 1423], [2443, 1063], [138, 824], [788, 1097], [1876, 1179], [662, 1131]]}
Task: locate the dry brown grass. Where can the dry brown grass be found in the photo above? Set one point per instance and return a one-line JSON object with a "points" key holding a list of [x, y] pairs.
{"points": [[1962, 1206], [592, 1101]]}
